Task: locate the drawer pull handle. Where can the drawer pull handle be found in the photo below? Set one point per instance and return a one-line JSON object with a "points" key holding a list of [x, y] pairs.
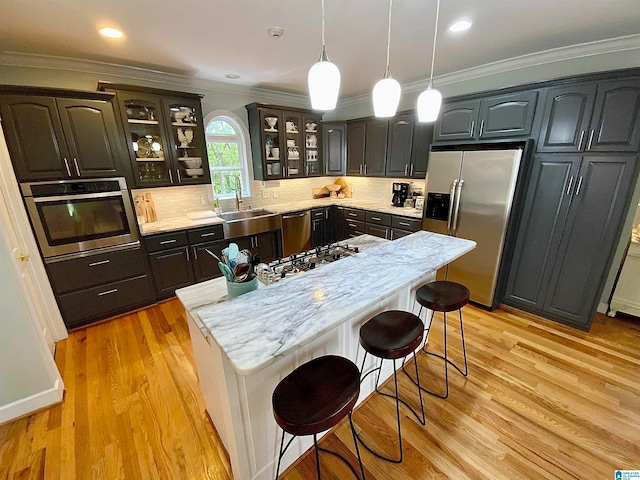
{"points": [[208, 234], [94, 264], [352, 225], [351, 214], [404, 224], [165, 242], [114, 290], [376, 218]]}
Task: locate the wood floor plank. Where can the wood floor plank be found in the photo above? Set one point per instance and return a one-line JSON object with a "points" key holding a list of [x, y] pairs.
{"points": [[542, 401]]}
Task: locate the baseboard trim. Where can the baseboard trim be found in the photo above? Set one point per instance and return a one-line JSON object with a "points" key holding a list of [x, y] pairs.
{"points": [[603, 307], [28, 405]]}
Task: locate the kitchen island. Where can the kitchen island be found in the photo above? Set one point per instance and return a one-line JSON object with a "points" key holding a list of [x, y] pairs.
{"points": [[245, 346]]}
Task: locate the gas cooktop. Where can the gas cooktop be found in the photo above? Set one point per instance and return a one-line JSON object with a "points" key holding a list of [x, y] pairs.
{"points": [[304, 261]]}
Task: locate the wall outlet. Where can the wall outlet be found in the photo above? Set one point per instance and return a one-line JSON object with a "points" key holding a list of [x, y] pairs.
{"points": [[275, 194], [204, 200], [265, 193]]}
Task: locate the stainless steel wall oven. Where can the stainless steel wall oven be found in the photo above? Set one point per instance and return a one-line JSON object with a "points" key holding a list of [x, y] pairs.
{"points": [[74, 216]]}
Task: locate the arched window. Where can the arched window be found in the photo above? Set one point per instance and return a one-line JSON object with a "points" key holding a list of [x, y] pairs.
{"points": [[228, 152]]}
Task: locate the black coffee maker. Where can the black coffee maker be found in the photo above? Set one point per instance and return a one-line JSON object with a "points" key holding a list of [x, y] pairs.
{"points": [[400, 194]]}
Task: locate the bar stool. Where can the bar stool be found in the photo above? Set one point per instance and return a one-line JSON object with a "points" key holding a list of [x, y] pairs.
{"points": [[444, 296], [391, 335], [315, 397]]}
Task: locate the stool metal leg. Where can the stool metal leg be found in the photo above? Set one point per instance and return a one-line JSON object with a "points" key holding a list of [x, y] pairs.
{"points": [[444, 357], [398, 401], [315, 444]]}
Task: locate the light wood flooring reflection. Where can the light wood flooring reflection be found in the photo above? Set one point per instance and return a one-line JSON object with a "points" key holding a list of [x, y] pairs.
{"points": [[541, 401]]}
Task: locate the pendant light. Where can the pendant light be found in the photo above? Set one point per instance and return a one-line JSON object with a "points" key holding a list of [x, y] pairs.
{"points": [[386, 93], [324, 79], [430, 100]]}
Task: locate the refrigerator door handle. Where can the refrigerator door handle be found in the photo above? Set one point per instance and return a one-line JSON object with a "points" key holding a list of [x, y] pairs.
{"points": [[452, 197], [456, 210]]}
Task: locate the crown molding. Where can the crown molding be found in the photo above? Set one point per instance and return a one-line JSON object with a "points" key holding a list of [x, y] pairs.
{"points": [[546, 57], [157, 78], [171, 80]]}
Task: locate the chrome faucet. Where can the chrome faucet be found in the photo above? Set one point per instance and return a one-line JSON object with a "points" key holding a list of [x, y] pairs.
{"points": [[238, 188]]}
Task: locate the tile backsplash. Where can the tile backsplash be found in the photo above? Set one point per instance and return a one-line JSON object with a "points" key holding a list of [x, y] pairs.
{"points": [[173, 202]]}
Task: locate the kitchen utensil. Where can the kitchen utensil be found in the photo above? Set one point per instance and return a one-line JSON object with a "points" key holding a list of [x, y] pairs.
{"points": [[241, 272], [213, 254], [226, 271]]}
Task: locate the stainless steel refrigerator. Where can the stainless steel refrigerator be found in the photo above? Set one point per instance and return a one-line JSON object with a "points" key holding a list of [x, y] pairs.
{"points": [[469, 195]]}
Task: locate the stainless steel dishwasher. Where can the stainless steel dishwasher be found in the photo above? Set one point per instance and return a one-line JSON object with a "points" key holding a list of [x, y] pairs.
{"points": [[296, 232]]}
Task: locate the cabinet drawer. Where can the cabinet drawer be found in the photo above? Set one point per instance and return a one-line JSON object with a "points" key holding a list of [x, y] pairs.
{"points": [[378, 231], [317, 213], [208, 234], [397, 233], [354, 214], [166, 240], [100, 302], [354, 225], [69, 275], [406, 223], [378, 218]]}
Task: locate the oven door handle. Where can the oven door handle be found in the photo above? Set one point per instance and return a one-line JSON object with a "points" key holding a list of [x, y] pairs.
{"points": [[81, 196]]}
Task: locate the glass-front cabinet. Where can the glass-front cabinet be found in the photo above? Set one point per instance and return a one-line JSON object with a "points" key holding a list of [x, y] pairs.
{"points": [[165, 136], [284, 142]]}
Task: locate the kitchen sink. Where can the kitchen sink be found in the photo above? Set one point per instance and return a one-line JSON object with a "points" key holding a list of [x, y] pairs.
{"points": [[249, 222]]}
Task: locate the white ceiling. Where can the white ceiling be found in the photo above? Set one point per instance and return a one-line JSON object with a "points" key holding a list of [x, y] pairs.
{"points": [[207, 39]]}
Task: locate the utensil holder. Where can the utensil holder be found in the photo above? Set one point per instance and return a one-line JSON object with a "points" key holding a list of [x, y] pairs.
{"points": [[236, 289]]}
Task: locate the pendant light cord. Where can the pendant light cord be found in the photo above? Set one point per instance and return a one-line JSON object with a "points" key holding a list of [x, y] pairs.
{"points": [[435, 35], [387, 73], [323, 24]]}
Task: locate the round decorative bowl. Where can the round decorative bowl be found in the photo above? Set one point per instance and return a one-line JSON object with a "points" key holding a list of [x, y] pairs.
{"points": [[192, 162], [194, 172]]}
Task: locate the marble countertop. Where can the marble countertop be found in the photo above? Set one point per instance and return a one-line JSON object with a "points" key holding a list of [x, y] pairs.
{"points": [[183, 223], [257, 328]]}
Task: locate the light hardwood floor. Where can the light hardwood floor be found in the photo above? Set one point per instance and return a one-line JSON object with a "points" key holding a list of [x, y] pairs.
{"points": [[541, 401]]}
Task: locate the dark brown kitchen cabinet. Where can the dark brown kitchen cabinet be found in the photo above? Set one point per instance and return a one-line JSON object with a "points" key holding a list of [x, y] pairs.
{"points": [[356, 132], [171, 270], [375, 149], [285, 142], [592, 117], [420, 147], [164, 134], [500, 116], [571, 218], [400, 140], [334, 148], [110, 282], [205, 266], [321, 226], [57, 138], [266, 245], [403, 226]]}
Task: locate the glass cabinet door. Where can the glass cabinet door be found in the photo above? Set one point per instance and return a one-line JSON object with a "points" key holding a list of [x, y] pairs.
{"points": [[294, 149], [144, 121], [311, 141], [187, 140], [271, 126]]}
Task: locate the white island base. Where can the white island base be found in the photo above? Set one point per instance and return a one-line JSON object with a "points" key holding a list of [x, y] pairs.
{"points": [[293, 322]]}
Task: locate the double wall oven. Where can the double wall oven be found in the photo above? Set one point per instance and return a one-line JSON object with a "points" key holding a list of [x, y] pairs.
{"points": [[72, 217]]}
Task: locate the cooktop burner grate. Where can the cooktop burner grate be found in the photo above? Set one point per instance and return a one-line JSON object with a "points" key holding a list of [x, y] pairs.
{"points": [[304, 261]]}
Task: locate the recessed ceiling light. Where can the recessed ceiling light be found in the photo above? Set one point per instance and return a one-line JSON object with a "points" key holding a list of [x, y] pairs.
{"points": [[232, 76], [111, 32], [460, 26], [275, 31]]}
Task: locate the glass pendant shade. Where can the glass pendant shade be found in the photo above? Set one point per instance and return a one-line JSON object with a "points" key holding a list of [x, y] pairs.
{"points": [[429, 103], [324, 84], [386, 96]]}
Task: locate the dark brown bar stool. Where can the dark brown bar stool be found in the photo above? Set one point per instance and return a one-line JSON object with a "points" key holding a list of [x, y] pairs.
{"points": [[391, 335], [444, 296], [315, 397]]}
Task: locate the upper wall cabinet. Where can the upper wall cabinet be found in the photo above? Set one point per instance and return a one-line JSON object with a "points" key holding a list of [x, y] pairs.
{"points": [[285, 142], [57, 138], [165, 135], [592, 116], [334, 148], [501, 116]]}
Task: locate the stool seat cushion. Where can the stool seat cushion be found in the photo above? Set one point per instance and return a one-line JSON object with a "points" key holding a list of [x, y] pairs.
{"points": [[443, 296], [316, 395], [392, 334]]}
